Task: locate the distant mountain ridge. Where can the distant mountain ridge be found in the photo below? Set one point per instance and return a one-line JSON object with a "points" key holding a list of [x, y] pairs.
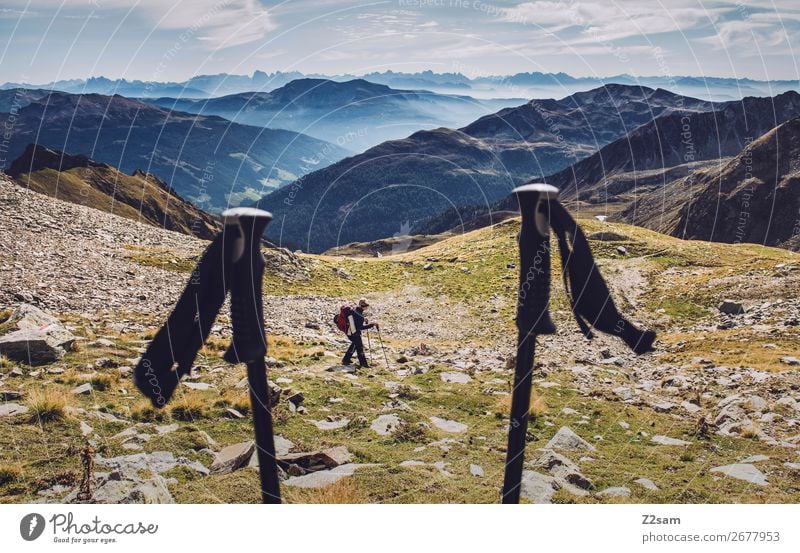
{"points": [[208, 160], [497, 86], [369, 196], [356, 114], [140, 197]]}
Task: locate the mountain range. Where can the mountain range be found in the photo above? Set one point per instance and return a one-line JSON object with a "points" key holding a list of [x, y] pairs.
{"points": [[208, 160], [371, 195], [526, 84], [671, 140], [753, 197], [355, 114], [140, 197]]}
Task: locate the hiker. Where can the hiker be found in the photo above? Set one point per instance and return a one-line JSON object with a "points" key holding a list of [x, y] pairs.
{"points": [[355, 323]]}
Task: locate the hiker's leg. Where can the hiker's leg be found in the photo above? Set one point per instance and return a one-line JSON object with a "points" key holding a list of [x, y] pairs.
{"points": [[359, 345], [346, 360]]}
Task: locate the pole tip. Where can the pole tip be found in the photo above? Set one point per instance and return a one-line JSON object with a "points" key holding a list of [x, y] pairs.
{"points": [[232, 216], [546, 191]]}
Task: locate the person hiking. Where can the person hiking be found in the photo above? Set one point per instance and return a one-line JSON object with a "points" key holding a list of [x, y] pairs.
{"points": [[356, 322]]}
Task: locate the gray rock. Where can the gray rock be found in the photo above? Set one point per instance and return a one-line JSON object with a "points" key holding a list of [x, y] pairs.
{"points": [[618, 491], [690, 407], [322, 478], [385, 424], [662, 406], [455, 377], [793, 466], [86, 430], [126, 488], [790, 360], [757, 403], [39, 337], [563, 468], [166, 428], [647, 483], [197, 385], [566, 439], [743, 471], [666, 440], [156, 462], [12, 409], [476, 470], [8, 395], [537, 487], [730, 307], [85, 388], [233, 457], [330, 424], [282, 445], [233, 413], [282, 448], [445, 425], [755, 459]]}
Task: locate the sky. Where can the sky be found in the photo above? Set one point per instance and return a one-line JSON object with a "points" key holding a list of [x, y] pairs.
{"points": [[47, 40]]}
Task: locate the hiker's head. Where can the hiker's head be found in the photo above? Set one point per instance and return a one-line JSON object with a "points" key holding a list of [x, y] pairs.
{"points": [[363, 304]]}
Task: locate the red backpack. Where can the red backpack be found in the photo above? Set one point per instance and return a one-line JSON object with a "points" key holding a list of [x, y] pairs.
{"points": [[341, 318]]}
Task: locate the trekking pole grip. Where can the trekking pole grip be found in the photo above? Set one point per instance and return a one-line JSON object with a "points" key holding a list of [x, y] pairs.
{"points": [[247, 311], [533, 298]]}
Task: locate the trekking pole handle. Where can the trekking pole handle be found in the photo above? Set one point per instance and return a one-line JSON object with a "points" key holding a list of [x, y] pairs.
{"points": [[247, 311], [533, 298]]}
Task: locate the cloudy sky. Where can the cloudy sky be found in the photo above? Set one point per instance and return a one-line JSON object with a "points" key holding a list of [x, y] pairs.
{"points": [[43, 40]]}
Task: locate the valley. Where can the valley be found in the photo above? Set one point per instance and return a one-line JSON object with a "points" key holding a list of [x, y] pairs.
{"points": [[711, 416]]}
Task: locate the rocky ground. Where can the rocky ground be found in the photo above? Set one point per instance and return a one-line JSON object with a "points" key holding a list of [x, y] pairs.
{"points": [[713, 415]]}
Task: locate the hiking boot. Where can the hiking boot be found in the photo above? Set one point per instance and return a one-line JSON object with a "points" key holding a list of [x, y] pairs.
{"points": [[346, 362]]}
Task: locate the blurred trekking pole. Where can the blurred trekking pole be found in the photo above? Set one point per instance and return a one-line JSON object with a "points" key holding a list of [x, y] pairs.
{"points": [[385, 357], [369, 345], [233, 261], [589, 297]]}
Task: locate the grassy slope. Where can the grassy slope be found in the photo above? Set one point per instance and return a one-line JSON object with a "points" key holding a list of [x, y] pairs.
{"points": [[131, 196], [469, 270]]}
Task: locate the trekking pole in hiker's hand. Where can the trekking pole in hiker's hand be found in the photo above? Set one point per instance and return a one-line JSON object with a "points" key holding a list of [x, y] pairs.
{"points": [[533, 318], [249, 343], [589, 297]]}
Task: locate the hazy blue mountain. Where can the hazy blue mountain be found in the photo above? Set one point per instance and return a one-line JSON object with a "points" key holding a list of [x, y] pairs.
{"points": [[520, 85], [207, 160], [355, 114], [371, 195]]}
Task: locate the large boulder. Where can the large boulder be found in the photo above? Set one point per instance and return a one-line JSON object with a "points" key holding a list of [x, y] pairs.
{"points": [[122, 487], [566, 439], [233, 457], [35, 337]]}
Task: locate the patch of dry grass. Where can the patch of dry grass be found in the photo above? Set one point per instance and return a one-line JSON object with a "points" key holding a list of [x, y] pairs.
{"points": [[9, 472], [342, 492], [538, 406], [143, 411], [48, 405], [190, 406]]}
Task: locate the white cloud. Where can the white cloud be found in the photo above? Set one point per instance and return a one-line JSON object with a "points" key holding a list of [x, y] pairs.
{"points": [[609, 21], [216, 23]]}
